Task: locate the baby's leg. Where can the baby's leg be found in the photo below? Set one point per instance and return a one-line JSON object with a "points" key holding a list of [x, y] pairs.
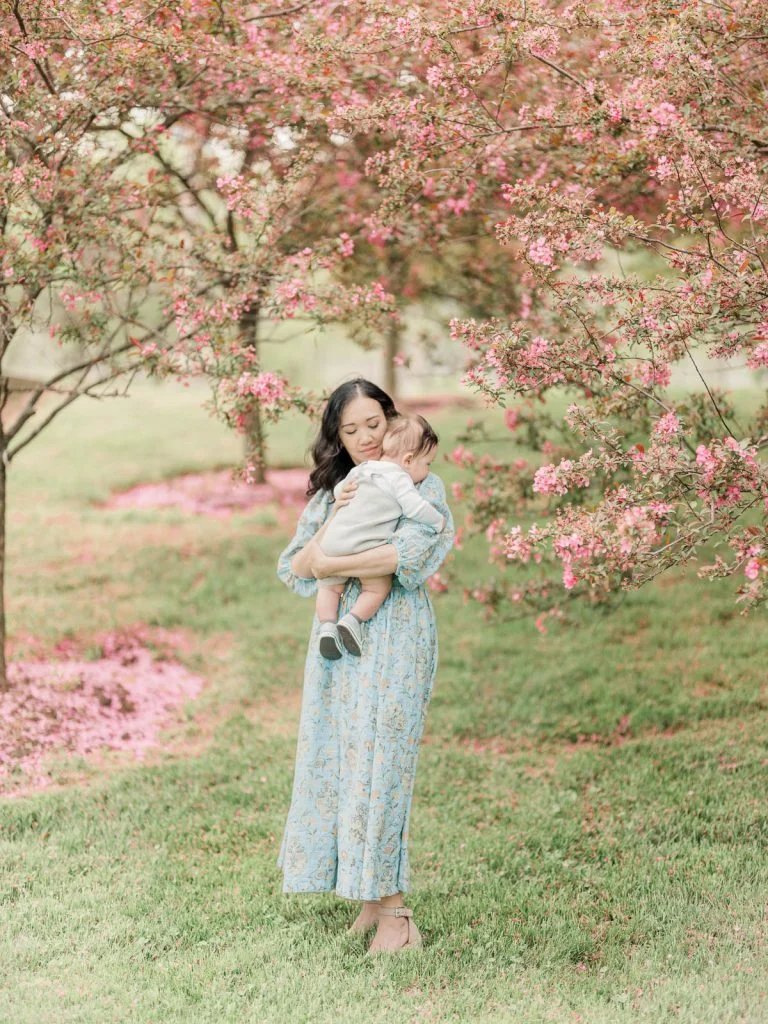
{"points": [[327, 603], [373, 596]]}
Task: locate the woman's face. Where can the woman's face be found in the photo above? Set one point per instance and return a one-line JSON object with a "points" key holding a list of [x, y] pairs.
{"points": [[362, 428]]}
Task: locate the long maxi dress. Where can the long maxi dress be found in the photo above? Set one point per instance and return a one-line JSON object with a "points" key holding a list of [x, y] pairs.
{"points": [[362, 721]]}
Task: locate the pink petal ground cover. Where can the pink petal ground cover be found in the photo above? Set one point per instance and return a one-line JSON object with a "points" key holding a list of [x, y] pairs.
{"points": [[121, 701], [216, 494]]}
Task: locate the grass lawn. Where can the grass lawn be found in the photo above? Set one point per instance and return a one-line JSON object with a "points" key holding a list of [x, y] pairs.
{"points": [[590, 818]]}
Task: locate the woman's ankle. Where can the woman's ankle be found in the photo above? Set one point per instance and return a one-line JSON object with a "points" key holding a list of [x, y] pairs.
{"points": [[392, 901]]}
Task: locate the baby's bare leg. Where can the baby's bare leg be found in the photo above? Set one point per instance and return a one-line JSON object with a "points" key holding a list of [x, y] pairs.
{"points": [[327, 603], [373, 596]]}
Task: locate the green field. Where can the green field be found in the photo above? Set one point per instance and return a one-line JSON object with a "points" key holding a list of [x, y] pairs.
{"points": [[590, 818]]}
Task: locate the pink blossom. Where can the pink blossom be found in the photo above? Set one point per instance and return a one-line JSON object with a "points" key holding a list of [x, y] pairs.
{"points": [[437, 583], [668, 426], [435, 77], [492, 530], [379, 234], [346, 244], [516, 547], [558, 479], [653, 375], [462, 204], [535, 352], [511, 418], [752, 569], [540, 252], [665, 113], [706, 460], [266, 386], [759, 356], [545, 481], [461, 456], [569, 578]]}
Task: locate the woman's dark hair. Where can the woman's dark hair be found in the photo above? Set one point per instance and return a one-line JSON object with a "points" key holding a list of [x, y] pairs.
{"points": [[332, 460]]}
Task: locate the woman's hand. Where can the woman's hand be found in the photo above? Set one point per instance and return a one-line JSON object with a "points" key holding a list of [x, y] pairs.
{"points": [[346, 495], [320, 563]]}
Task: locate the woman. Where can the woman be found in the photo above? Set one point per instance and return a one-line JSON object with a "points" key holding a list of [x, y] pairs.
{"points": [[362, 718]]}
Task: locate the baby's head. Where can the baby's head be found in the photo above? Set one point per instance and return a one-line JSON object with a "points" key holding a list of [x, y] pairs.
{"points": [[412, 444]]}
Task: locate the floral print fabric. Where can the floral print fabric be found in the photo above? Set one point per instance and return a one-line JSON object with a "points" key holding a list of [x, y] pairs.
{"points": [[361, 723]]}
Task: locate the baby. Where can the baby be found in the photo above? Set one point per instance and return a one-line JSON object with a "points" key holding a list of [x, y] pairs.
{"points": [[386, 491]]}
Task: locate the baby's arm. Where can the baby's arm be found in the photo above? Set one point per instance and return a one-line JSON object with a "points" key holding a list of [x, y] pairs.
{"points": [[413, 505], [351, 477]]}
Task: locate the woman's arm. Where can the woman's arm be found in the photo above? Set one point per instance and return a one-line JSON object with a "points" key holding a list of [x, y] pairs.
{"points": [[310, 522], [380, 561], [421, 551], [300, 566], [413, 553], [303, 561]]}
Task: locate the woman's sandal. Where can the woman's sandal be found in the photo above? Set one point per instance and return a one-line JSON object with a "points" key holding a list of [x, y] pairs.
{"points": [[413, 940]]}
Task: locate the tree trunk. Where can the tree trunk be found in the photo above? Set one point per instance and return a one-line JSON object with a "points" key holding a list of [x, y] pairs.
{"points": [[391, 348], [255, 434], [256, 446], [4, 684]]}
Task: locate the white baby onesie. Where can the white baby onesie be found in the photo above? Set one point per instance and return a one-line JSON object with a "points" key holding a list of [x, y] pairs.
{"points": [[385, 492]]}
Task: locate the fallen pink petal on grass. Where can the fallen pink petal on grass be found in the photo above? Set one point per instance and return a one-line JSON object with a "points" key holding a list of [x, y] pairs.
{"points": [[73, 706], [217, 493]]}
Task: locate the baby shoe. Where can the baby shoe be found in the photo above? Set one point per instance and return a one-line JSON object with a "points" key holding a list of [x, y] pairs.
{"points": [[351, 633], [329, 643]]}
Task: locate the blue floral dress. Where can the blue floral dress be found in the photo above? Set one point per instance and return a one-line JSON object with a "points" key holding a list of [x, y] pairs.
{"points": [[361, 723]]}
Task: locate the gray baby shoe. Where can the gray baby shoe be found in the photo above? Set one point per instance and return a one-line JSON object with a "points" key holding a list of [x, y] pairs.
{"points": [[351, 633], [329, 643]]}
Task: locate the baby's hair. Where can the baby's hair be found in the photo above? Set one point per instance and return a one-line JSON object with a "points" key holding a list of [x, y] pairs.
{"points": [[408, 434]]}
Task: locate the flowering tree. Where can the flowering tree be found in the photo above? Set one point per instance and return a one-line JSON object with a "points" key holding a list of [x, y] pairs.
{"points": [[615, 130], [106, 241], [258, 199], [72, 225], [440, 261]]}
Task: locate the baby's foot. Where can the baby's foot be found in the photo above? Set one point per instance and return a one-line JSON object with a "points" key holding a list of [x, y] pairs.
{"points": [[351, 633], [328, 641]]}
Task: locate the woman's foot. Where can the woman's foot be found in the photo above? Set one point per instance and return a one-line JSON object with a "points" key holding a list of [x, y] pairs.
{"points": [[366, 919], [395, 932]]}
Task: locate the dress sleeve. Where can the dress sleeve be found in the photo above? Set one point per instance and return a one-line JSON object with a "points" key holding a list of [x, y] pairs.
{"points": [[312, 518], [413, 504], [421, 551]]}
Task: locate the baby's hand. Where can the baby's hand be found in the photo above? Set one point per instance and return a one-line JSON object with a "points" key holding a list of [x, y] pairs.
{"points": [[346, 495]]}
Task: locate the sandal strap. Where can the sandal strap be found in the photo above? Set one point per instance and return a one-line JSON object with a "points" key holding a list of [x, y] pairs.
{"points": [[396, 911]]}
